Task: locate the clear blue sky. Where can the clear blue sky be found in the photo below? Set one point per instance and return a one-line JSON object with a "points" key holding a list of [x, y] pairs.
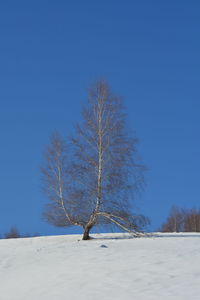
{"points": [[51, 51]]}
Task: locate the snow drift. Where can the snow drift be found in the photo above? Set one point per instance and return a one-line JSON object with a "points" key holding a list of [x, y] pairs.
{"points": [[111, 266]]}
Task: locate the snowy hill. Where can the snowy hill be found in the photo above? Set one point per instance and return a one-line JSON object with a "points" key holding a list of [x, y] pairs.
{"points": [[111, 266]]}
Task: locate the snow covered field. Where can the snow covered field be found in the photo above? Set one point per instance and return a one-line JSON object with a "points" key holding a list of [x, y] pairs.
{"points": [[110, 266]]}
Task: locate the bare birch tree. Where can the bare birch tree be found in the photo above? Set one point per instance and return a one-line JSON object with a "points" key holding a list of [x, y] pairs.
{"points": [[182, 220], [93, 179]]}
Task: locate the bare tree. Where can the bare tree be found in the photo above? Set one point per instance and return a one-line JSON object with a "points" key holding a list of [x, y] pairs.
{"points": [[192, 221], [175, 220], [182, 220], [12, 234], [94, 178]]}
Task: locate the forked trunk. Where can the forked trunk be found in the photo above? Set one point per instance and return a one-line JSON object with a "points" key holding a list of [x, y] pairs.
{"points": [[86, 232]]}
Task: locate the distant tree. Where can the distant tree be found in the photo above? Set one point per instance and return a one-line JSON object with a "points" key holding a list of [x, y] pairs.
{"points": [[93, 179], [182, 220], [192, 221], [13, 233], [175, 220]]}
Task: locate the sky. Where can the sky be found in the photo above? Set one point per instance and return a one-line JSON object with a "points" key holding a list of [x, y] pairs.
{"points": [[52, 51]]}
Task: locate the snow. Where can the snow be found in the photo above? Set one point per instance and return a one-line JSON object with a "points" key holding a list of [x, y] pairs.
{"points": [[111, 266]]}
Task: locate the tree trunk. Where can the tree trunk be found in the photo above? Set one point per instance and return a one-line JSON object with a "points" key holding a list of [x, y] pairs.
{"points": [[86, 232]]}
